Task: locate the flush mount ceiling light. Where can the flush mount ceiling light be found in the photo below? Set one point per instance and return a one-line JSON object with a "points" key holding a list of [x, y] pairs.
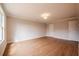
{"points": [[45, 15]]}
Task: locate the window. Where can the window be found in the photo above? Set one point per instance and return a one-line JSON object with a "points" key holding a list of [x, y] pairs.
{"points": [[1, 28]]}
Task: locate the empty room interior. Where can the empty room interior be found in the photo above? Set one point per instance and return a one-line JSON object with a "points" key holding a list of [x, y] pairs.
{"points": [[39, 29]]}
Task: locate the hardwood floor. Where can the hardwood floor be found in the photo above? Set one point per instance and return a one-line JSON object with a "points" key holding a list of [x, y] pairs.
{"points": [[45, 46]]}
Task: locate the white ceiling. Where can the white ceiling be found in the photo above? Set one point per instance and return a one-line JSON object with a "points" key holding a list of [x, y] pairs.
{"points": [[31, 11]]}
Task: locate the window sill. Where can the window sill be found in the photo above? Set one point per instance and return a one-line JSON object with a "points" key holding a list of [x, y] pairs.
{"points": [[1, 41]]}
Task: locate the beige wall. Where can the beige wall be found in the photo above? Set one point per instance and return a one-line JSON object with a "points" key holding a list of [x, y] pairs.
{"points": [[77, 14], [19, 30], [64, 30], [50, 30], [77, 10], [73, 30], [58, 30]]}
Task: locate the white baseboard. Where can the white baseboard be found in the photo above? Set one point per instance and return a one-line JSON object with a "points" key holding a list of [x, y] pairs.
{"points": [[31, 38], [61, 38], [41, 36]]}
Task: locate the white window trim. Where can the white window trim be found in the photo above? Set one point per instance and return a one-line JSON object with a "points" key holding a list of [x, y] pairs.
{"points": [[3, 24]]}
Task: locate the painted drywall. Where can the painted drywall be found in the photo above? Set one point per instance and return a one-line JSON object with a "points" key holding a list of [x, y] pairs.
{"points": [[50, 29], [64, 30], [58, 30], [77, 10], [19, 30], [3, 43], [78, 30], [77, 14], [73, 30]]}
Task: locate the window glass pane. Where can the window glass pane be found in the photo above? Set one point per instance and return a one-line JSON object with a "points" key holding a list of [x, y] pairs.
{"points": [[0, 33], [0, 19]]}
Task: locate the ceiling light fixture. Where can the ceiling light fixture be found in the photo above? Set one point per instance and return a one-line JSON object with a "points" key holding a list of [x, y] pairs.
{"points": [[45, 15]]}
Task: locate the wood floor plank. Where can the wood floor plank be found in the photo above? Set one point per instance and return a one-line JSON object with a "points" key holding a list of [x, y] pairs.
{"points": [[45, 46]]}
